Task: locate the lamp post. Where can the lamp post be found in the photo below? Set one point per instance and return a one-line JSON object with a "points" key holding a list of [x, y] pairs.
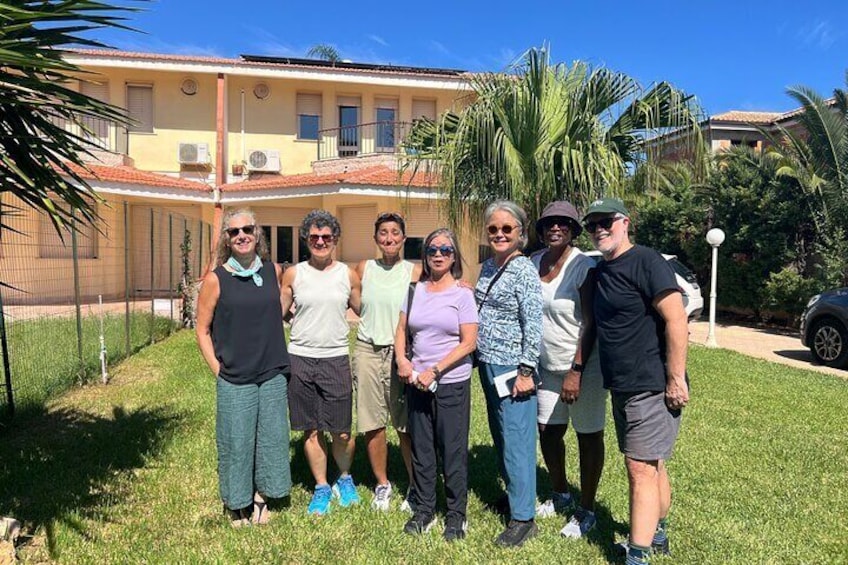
{"points": [[715, 237]]}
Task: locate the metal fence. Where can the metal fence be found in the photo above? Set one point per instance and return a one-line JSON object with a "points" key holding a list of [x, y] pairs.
{"points": [[73, 305]]}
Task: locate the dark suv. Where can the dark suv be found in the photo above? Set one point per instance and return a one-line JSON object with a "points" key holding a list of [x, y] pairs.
{"points": [[823, 327]]}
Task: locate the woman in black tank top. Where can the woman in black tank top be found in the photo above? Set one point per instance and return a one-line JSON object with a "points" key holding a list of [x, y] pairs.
{"points": [[240, 335]]}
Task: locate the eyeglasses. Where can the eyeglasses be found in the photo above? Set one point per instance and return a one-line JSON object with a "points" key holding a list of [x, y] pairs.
{"points": [[316, 237], [246, 230], [506, 229], [605, 223], [563, 225], [445, 250]]}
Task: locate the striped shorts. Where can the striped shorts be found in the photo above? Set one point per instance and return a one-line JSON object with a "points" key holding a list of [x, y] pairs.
{"points": [[321, 394]]}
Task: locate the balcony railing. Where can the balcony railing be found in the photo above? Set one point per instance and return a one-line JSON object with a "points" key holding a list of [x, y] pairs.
{"points": [[104, 134], [362, 139]]}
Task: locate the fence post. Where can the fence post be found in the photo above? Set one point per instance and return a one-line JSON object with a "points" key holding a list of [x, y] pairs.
{"points": [[152, 257], [75, 252], [127, 277], [200, 248], [171, 269], [4, 344]]}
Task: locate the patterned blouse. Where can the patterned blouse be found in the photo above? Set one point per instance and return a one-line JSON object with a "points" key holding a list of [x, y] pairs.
{"points": [[510, 331]]}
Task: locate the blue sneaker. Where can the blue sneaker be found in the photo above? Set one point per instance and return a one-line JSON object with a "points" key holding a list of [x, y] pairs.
{"points": [[320, 503], [345, 491]]}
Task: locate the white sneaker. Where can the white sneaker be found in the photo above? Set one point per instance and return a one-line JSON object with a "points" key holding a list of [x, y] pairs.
{"points": [[408, 504], [382, 497], [581, 523], [559, 503]]}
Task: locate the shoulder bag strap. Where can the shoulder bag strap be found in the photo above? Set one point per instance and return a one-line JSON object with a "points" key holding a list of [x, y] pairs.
{"points": [[494, 280]]}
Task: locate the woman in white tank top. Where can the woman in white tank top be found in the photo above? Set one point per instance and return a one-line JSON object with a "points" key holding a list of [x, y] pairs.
{"points": [[321, 389]]}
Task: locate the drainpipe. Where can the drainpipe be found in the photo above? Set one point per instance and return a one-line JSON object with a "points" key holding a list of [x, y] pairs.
{"points": [[220, 165], [243, 153]]}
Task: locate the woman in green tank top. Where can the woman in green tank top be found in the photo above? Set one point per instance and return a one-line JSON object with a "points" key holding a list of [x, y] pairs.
{"points": [[379, 394]]}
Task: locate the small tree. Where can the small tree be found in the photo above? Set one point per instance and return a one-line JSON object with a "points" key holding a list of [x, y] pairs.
{"points": [[186, 286]]}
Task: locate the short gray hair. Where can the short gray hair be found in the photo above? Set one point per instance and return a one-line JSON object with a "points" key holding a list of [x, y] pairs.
{"points": [[513, 210], [320, 219]]}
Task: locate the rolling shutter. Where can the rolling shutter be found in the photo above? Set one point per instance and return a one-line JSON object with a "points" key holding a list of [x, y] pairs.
{"points": [[357, 241], [423, 109], [140, 107]]}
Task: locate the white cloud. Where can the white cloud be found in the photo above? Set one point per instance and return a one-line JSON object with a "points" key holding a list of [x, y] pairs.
{"points": [[377, 39], [819, 34]]}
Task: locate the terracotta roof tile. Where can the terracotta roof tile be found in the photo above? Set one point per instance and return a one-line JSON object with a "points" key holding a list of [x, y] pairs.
{"points": [[130, 175], [370, 176], [747, 117], [135, 55]]}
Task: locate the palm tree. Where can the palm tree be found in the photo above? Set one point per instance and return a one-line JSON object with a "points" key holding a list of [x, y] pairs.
{"points": [[37, 149], [816, 156], [325, 52], [543, 132]]}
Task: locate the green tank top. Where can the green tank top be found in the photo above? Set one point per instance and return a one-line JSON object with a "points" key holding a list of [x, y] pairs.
{"points": [[383, 292]]}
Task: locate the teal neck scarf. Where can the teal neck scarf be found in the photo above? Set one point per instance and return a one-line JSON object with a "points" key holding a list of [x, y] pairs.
{"points": [[253, 271]]}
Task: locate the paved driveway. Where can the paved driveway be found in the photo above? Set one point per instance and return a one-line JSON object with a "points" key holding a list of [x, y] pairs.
{"points": [[780, 346]]}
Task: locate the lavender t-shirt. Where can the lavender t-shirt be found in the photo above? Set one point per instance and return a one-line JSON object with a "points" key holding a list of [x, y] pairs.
{"points": [[434, 324]]}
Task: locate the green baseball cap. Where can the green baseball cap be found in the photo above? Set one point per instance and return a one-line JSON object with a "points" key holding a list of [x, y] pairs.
{"points": [[606, 206]]}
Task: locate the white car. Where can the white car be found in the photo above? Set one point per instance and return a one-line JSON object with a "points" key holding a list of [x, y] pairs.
{"points": [[693, 302]]}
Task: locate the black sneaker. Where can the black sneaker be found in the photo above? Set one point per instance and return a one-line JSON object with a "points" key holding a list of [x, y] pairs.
{"points": [[516, 533], [455, 528], [419, 524]]}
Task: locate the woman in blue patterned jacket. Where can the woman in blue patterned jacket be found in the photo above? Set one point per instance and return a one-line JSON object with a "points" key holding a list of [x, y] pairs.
{"points": [[509, 297]]}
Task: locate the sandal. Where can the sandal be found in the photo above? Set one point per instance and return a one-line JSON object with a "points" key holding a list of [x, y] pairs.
{"points": [[261, 514], [238, 518]]}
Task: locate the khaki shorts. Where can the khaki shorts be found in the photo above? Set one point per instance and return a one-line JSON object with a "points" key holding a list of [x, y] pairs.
{"points": [[588, 414], [379, 392]]}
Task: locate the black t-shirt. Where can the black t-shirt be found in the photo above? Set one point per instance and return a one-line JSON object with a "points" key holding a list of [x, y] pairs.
{"points": [[247, 328], [631, 333]]}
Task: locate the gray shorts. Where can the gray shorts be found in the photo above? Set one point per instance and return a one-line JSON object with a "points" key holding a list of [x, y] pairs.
{"points": [[645, 426]]}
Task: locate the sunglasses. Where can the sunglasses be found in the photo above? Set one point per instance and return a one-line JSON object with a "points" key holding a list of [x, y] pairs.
{"points": [[316, 237], [605, 223], [445, 250], [506, 229], [563, 225], [246, 230]]}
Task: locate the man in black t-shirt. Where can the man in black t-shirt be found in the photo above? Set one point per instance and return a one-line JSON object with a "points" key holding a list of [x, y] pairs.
{"points": [[642, 338]]}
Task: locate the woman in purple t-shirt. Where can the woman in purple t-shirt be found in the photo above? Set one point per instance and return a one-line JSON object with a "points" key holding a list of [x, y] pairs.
{"points": [[443, 324]]}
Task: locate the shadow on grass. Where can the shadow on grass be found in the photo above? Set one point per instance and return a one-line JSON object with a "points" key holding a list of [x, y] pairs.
{"points": [[482, 481], [66, 466]]}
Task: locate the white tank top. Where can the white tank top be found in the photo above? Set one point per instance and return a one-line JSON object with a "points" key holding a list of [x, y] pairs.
{"points": [[319, 327]]}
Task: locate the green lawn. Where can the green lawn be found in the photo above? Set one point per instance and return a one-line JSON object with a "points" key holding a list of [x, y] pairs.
{"points": [[126, 473]]}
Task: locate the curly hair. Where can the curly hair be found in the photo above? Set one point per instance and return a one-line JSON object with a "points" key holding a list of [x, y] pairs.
{"points": [[320, 219], [222, 250]]}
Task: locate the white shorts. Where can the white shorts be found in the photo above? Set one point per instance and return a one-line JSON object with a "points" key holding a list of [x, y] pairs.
{"points": [[588, 413]]}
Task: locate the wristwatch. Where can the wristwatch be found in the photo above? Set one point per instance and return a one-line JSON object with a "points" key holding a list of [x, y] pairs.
{"points": [[577, 367], [525, 371]]}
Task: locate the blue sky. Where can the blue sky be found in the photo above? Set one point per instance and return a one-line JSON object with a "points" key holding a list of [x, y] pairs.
{"points": [[731, 54]]}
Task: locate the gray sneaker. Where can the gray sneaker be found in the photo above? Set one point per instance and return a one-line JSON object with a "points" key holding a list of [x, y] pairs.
{"points": [[382, 497], [558, 504], [581, 522]]}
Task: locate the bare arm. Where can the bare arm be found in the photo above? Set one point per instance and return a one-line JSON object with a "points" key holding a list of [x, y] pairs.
{"points": [[669, 305], [571, 384], [404, 365], [467, 344], [355, 300], [287, 292], [210, 292], [360, 270], [416, 272]]}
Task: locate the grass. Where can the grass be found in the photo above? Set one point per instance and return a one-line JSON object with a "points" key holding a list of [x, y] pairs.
{"points": [[44, 355], [126, 472]]}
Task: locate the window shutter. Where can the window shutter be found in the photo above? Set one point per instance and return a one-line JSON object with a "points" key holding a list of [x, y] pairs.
{"points": [[140, 107], [357, 233], [309, 104], [98, 91], [423, 109], [389, 103], [348, 101]]}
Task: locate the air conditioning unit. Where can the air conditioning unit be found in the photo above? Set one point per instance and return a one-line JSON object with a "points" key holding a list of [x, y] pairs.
{"points": [[267, 160], [193, 154]]}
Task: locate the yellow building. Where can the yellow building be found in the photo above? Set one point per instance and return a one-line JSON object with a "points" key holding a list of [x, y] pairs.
{"points": [[282, 136]]}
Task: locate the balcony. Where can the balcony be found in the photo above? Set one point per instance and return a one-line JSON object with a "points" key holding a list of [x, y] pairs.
{"points": [[375, 138], [110, 141]]}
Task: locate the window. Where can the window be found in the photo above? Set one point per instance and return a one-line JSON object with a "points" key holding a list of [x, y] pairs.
{"points": [[412, 248], [385, 134], [281, 244], [348, 131], [140, 107], [308, 116], [51, 246]]}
